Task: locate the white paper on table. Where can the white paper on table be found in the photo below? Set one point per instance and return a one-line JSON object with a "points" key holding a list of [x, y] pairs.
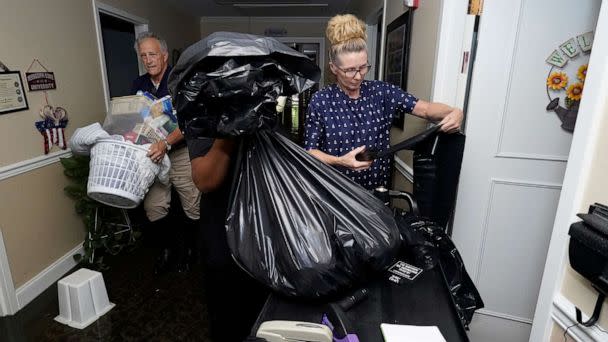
{"points": [[410, 333]]}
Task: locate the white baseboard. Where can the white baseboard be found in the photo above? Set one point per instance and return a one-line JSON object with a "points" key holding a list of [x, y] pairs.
{"points": [[501, 315], [43, 280], [564, 315]]}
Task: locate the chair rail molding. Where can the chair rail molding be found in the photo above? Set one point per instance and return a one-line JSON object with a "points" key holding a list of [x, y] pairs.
{"points": [[28, 165]]}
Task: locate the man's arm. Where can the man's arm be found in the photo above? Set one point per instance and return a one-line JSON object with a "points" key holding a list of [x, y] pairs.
{"points": [[450, 118], [158, 149], [209, 171]]}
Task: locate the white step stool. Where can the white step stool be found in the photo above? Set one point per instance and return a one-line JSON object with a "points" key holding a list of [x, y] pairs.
{"points": [[82, 298]]}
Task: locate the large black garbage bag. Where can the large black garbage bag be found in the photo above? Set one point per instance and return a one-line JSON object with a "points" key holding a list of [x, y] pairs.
{"points": [[300, 226], [228, 83], [436, 166], [429, 246]]}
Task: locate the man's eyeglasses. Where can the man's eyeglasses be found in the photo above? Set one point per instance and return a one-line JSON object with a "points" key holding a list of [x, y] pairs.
{"points": [[352, 72]]}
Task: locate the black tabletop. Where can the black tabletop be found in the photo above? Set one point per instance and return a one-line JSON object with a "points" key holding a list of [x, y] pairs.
{"points": [[424, 301]]}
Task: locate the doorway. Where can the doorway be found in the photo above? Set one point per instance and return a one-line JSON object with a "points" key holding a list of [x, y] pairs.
{"points": [[118, 36], [116, 33]]}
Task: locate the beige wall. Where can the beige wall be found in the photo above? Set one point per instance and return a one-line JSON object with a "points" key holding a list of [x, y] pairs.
{"points": [[557, 335], [578, 290], [178, 29], [37, 220], [61, 35], [421, 62]]}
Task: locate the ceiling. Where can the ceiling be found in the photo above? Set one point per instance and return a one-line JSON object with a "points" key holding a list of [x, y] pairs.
{"points": [[261, 8]]}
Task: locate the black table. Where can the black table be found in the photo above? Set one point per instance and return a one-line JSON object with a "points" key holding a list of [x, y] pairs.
{"points": [[423, 301]]}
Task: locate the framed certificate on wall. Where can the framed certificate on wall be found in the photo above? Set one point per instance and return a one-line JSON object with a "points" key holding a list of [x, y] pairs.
{"points": [[12, 94]]}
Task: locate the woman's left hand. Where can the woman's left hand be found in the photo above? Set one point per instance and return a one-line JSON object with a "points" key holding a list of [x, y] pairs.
{"points": [[451, 122]]}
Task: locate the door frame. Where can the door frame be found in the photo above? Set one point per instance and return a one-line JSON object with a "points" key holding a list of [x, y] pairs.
{"points": [[8, 295], [141, 25], [450, 38], [593, 106], [373, 49]]}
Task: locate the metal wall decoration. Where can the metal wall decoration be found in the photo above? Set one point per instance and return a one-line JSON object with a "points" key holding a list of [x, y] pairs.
{"points": [[566, 78]]}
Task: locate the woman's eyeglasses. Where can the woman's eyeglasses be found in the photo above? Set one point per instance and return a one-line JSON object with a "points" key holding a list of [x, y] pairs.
{"points": [[352, 72]]}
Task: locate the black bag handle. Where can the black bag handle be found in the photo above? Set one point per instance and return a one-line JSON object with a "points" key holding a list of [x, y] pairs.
{"points": [[407, 144], [596, 312]]}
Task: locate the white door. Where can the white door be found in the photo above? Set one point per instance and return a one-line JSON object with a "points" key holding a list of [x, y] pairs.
{"points": [[515, 157]]}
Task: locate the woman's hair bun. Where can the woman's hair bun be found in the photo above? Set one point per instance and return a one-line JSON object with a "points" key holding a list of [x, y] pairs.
{"points": [[344, 27]]}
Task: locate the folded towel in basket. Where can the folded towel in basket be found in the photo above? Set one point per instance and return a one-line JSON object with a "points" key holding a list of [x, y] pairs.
{"points": [[84, 138]]}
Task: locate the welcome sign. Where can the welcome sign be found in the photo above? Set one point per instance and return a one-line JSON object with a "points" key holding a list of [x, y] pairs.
{"points": [[570, 49], [566, 81]]}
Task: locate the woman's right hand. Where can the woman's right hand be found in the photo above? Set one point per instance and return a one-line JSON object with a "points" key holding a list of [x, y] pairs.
{"points": [[348, 160]]}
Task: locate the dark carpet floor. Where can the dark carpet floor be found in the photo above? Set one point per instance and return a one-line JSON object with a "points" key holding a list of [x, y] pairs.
{"points": [[166, 307]]}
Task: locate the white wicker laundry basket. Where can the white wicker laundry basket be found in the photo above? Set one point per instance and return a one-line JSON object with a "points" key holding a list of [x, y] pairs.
{"points": [[116, 175]]}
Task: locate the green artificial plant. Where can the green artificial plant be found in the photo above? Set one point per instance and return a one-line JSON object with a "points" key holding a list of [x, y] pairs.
{"points": [[105, 236]]}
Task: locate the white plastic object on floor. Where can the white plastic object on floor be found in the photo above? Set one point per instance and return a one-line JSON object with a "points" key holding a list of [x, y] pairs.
{"points": [[82, 298]]}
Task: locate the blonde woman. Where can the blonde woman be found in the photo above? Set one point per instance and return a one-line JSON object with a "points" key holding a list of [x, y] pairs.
{"points": [[345, 118]]}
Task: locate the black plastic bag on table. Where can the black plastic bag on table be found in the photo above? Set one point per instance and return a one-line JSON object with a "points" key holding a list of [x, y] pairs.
{"points": [[228, 83], [301, 227], [430, 246]]}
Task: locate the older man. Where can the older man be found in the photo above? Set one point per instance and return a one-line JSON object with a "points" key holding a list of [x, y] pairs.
{"points": [[152, 50]]}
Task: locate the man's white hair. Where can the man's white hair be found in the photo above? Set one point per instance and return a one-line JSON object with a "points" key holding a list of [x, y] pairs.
{"points": [[149, 34]]}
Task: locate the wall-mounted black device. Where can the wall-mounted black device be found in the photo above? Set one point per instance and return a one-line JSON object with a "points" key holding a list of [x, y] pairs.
{"points": [[588, 252]]}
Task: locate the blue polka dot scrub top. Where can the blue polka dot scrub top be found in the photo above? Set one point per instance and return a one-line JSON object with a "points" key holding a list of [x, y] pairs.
{"points": [[337, 124]]}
